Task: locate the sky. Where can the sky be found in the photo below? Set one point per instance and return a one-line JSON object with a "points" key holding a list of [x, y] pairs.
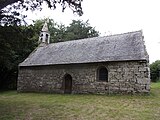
{"points": [[113, 17]]}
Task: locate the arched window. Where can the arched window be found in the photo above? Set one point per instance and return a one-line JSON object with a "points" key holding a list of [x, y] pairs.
{"points": [[102, 74], [46, 38]]}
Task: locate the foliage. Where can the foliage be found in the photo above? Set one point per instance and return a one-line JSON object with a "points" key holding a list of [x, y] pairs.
{"points": [[76, 30], [37, 106], [12, 15], [79, 29], [155, 71], [15, 44]]}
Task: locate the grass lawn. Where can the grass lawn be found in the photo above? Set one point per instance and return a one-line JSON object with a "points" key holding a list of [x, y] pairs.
{"points": [[40, 106]]}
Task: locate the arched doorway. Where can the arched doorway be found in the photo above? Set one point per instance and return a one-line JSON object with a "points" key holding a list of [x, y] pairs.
{"points": [[68, 84]]}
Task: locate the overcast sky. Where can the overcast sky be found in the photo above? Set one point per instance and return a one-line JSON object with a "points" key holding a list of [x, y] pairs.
{"points": [[115, 16]]}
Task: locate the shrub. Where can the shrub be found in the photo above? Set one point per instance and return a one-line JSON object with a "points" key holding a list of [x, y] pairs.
{"points": [[155, 71]]}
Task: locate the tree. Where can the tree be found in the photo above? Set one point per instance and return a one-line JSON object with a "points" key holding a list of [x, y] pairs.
{"points": [[79, 30], [11, 14], [55, 29], [155, 71], [76, 30], [15, 45]]}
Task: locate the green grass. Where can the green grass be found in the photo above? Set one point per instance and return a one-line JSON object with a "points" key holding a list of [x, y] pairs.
{"points": [[40, 106]]}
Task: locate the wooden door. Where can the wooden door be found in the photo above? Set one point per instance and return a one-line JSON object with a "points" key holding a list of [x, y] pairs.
{"points": [[68, 84]]}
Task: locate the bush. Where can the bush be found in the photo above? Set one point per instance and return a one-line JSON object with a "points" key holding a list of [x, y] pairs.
{"points": [[155, 71]]}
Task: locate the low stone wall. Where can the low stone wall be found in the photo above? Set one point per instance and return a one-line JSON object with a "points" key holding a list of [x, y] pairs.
{"points": [[123, 78]]}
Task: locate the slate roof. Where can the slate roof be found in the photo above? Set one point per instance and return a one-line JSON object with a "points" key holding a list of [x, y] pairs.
{"points": [[119, 47]]}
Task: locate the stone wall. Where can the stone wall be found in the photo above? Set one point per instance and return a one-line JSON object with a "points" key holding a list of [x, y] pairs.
{"points": [[123, 77]]}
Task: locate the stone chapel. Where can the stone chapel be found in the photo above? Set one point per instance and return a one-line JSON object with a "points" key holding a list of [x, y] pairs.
{"points": [[99, 65]]}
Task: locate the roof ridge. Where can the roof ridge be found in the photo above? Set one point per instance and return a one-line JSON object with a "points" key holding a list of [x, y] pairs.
{"points": [[97, 37], [124, 33]]}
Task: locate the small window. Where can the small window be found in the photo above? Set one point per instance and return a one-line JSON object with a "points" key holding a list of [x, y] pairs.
{"points": [[102, 74], [47, 38]]}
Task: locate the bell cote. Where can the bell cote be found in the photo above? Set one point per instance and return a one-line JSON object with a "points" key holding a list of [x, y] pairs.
{"points": [[44, 34]]}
